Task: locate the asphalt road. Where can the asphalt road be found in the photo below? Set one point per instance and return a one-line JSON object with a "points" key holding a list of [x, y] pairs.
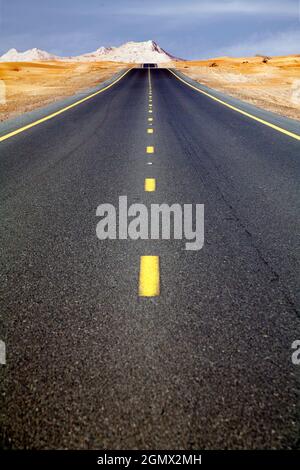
{"points": [[205, 364]]}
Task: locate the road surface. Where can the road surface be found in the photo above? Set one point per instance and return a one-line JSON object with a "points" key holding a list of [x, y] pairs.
{"points": [[205, 364]]}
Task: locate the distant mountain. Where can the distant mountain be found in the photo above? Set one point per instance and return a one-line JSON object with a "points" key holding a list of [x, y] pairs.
{"points": [[28, 56], [131, 52]]}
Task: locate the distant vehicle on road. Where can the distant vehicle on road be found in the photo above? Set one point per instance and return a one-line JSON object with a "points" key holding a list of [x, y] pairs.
{"points": [[152, 66]]}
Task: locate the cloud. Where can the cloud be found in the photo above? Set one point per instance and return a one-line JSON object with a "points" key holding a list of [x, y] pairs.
{"points": [[188, 28], [279, 43], [288, 8]]}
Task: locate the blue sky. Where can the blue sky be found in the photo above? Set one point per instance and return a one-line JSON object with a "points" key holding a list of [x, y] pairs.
{"points": [[187, 28]]}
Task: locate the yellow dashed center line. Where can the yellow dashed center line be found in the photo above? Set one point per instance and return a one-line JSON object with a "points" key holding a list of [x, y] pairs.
{"points": [[149, 278], [149, 282], [150, 149], [150, 185]]}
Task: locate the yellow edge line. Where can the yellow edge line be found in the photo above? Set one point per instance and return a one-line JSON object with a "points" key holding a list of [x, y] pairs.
{"points": [[57, 113], [149, 282], [262, 121]]}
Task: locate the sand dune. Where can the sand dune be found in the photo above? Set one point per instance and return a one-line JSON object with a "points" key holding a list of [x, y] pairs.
{"points": [[26, 86], [271, 83]]}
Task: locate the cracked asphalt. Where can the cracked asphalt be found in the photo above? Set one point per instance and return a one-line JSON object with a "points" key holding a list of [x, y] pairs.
{"points": [[207, 363]]}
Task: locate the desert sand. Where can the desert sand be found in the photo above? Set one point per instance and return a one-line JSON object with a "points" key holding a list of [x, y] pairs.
{"points": [[270, 83], [25, 86]]}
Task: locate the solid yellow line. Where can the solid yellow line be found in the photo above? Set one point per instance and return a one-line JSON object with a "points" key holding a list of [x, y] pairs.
{"points": [[149, 282], [262, 121], [57, 113], [150, 149], [150, 131], [150, 185]]}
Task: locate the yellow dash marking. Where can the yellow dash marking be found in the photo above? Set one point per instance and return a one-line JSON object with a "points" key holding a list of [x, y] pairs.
{"points": [[57, 113], [150, 149], [150, 111], [251, 116], [150, 185], [150, 131], [149, 282], [150, 119]]}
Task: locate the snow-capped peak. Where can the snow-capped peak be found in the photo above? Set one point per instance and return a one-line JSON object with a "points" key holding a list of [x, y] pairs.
{"points": [[130, 52], [104, 50], [27, 56]]}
